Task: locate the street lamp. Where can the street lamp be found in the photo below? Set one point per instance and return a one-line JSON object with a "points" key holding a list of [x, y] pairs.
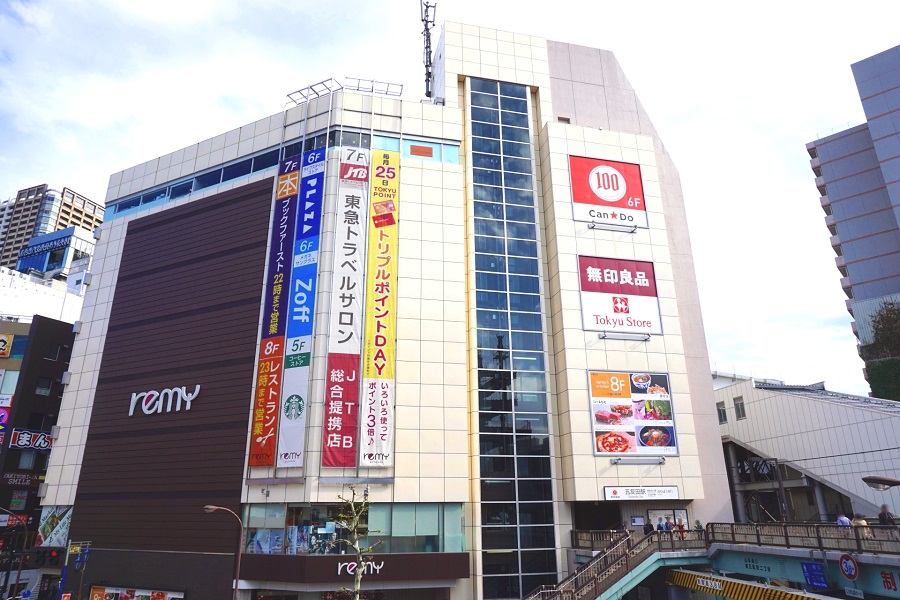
{"points": [[877, 482], [24, 523], [210, 508]]}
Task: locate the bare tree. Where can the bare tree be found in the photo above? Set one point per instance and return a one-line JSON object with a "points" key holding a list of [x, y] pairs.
{"points": [[353, 521]]}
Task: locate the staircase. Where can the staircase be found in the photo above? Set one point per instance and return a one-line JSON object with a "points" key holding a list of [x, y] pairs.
{"points": [[609, 567]]}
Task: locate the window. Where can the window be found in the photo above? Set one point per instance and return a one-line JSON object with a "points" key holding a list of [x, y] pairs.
{"points": [[723, 416], [44, 386], [739, 412], [26, 460], [51, 352]]}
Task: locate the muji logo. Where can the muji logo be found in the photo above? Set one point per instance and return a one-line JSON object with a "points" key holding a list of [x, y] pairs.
{"points": [[620, 305], [353, 172], [607, 183]]}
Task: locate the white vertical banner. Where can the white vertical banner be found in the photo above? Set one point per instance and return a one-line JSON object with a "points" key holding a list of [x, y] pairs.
{"points": [[345, 326]]}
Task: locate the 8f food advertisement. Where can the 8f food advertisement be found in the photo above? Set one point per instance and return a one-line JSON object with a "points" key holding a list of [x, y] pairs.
{"points": [[342, 377], [301, 312], [267, 396], [631, 413], [606, 191], [379, 353], [618, 295]]}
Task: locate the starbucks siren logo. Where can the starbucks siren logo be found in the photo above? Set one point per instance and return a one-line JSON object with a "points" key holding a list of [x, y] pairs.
{"points": [[293, 407]]}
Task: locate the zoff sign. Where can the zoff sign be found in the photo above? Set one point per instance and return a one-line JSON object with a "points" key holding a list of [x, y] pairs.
{"points": [[167, 400]]}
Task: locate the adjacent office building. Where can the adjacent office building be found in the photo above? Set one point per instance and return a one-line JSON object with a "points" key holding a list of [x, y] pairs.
{"points": [[858, 176], [40, 210], [479, 310]]}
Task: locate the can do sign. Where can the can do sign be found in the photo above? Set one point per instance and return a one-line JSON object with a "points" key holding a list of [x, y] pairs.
{"points": [[167, 400]]}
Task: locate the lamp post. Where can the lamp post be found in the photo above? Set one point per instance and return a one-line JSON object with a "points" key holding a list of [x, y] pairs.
{"points": [[24, 523], [210, 508], [877, 482]]}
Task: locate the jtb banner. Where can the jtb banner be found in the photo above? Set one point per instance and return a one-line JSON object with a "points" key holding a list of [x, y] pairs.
{"points": [[342, 378], [301, 312], [267, 399], [379, 354]]}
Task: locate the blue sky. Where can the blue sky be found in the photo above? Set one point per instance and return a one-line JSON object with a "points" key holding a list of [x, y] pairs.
{"points": [[88, 88]]}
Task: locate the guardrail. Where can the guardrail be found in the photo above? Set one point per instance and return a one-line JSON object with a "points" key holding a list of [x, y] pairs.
{"points": [[874, 539], [622, 552]]}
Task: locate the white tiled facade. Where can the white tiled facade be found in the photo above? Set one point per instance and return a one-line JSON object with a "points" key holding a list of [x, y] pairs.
{"points": [[437, 407]]}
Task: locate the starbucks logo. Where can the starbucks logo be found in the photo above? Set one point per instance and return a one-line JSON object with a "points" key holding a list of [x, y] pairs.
{"points": [[293, 407]]}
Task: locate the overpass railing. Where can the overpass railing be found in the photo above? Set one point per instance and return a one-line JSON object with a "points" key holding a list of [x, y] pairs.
{"points": [[620, 552], [874, 539]]}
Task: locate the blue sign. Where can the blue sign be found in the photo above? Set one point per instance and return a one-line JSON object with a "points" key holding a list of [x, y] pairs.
{"points": [[814, 573]]}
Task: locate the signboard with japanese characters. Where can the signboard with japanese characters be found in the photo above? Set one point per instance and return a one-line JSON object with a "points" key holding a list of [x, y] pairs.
{"points": [[301, 312], [379, 350], [267, 390], [631, 414], [608, 192], [6, 342], [650, 492], [618, 295], [27, 439], [342, 376]]}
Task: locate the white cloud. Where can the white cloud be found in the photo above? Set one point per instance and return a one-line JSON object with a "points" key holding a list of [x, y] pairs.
{"points": [[88, 88]]}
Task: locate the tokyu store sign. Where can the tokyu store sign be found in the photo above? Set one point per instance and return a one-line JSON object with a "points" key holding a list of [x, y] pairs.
{"points": [[607, 192], [618, 295]]}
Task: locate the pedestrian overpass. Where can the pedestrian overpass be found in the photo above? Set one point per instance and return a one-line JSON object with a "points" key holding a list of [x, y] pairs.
{"points": [[792, 559]]}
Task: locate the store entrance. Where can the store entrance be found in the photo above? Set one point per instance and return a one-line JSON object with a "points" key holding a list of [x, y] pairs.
{"points": [[591, 516]]}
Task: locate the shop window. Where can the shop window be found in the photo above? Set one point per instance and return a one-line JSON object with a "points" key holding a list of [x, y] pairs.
{"points": [[723, 416], [739, 412]]}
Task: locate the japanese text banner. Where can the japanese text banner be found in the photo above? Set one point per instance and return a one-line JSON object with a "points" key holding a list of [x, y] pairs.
{"points": [[379, 352], [267, 396], [301, 312], [342, 376]]}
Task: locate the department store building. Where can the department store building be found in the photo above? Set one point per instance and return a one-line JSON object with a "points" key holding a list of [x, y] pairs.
{"points": [[479, 310]]}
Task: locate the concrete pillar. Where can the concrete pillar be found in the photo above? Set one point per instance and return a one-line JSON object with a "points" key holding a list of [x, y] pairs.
{"points": [[741, 514], [820, 500]]}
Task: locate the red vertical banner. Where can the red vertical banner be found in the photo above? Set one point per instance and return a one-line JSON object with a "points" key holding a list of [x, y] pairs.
{"points": [[341, 410]]}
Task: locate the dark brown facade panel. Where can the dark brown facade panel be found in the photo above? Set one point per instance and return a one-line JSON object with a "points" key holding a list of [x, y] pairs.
{"points": [[328, 569], [146, 477], [208, 576], [160, 296]]}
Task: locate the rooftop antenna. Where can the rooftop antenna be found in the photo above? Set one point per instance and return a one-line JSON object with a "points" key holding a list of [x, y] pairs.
{"points": [[428, 11]]}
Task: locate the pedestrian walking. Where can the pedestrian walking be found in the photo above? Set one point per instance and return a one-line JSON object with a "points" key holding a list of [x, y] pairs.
{"points": [[885, 517], [843, 521]]}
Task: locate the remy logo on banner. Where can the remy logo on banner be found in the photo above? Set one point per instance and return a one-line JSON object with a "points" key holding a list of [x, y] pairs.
{"points": [[267, 397], [379, 355], [342, 378], [301, 311]]}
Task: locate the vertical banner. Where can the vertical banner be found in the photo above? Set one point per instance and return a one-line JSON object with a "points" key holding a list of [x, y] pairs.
{"points": [[380, 352], [342, 377], [301, 311], [267, 397]]}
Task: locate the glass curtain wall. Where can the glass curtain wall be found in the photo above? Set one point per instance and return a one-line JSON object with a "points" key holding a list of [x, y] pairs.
{"points": [[517, 531]]}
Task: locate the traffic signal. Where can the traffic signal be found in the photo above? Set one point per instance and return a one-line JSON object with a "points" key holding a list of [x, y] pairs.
{"points": [[40, 558], [54, 558]]}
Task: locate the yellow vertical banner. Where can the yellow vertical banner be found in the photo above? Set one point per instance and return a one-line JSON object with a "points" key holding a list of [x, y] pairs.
{"points": [[380, 343]]}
